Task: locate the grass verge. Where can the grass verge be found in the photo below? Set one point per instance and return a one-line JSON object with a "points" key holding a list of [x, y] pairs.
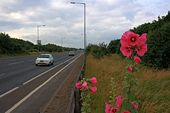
{"points": [[153, 90]]}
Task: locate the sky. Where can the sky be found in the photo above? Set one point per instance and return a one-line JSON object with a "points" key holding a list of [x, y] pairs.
{"points": [[106, 19]]}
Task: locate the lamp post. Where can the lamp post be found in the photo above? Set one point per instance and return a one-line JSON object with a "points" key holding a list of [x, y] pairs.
{"points": [[84, 4], [38, 26]]}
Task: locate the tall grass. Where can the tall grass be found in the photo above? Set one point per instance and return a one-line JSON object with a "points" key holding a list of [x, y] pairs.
{"points": [[153, 90]]}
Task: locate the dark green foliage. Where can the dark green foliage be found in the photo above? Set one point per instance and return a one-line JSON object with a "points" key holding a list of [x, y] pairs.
{"points": [[158, 41], [114, 46], [5, 43], [148, 27], [21, 46], [52, 48], [159, 47], [17, 46], [97, 51], [11, 46], [144, 28]]}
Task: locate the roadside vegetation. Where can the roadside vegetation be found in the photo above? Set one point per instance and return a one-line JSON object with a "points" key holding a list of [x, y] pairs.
{"points": [[153, 89], [107, 63], [158, 41], [12, 46]]}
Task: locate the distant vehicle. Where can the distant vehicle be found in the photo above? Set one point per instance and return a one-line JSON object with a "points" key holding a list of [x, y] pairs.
{"points": [[71, 53], [44, 59]]}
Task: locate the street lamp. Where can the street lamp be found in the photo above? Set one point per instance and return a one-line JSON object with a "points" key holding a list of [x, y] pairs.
{"points": [[84, 4], [38, 41]]}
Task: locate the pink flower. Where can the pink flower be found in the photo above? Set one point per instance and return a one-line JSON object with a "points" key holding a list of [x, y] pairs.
{"points": [[78, 85], [93, 80], [141, 49], [114, 109], [119, 101], [135, 105], [126, 51], [130, 69], [129, 39], [142, 39], [125, 111], [141, 46], [84, 85], [137, 60], [93, 90], [107, 108]]}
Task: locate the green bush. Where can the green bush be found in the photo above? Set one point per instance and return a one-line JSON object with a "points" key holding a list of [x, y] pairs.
{"points": [[98, 51], [158, 41], [114, 46], [158, 54]]}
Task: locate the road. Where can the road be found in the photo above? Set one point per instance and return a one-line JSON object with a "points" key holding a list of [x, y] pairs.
{"points": [[27, 88]]}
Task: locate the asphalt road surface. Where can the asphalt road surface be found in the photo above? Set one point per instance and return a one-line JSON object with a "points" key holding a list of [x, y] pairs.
{"points": [[26, 88]]}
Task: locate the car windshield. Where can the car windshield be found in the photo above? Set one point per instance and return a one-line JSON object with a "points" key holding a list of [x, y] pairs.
{"points": [[44, 56]]}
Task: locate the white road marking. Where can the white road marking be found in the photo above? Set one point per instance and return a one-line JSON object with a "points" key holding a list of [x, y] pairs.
{"points": [[16, 63], [45, 72], [36, 89], [9, 92], [2, 95]]}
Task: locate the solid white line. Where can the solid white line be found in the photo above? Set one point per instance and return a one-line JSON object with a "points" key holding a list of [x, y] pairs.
{"points": [[36, 89], [9, 92], [45, 72]]}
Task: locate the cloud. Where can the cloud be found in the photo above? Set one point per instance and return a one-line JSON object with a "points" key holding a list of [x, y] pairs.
{"points": [[106, 19]]}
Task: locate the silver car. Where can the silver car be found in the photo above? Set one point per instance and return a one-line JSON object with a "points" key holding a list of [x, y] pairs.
{"points": [[44, 59], [71, 53]]}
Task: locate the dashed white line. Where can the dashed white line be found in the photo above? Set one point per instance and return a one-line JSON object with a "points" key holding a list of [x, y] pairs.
{"points": [[9, 92], [45, 72], [36, 89], [2, 95]]}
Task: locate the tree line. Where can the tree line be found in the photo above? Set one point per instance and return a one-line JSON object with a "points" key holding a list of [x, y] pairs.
{"points": [[11, 46], [158, 41]]}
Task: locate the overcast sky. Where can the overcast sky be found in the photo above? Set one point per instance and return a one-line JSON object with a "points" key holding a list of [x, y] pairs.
{"points": [[106, 19]]}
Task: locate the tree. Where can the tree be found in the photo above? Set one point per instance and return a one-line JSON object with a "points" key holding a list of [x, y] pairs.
{"points": [[159, 47], [5, 43], [114, 46]]}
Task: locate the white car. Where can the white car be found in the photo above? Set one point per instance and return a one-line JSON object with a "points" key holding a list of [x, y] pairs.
{"points": [[44, 59], [71, 53]]}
